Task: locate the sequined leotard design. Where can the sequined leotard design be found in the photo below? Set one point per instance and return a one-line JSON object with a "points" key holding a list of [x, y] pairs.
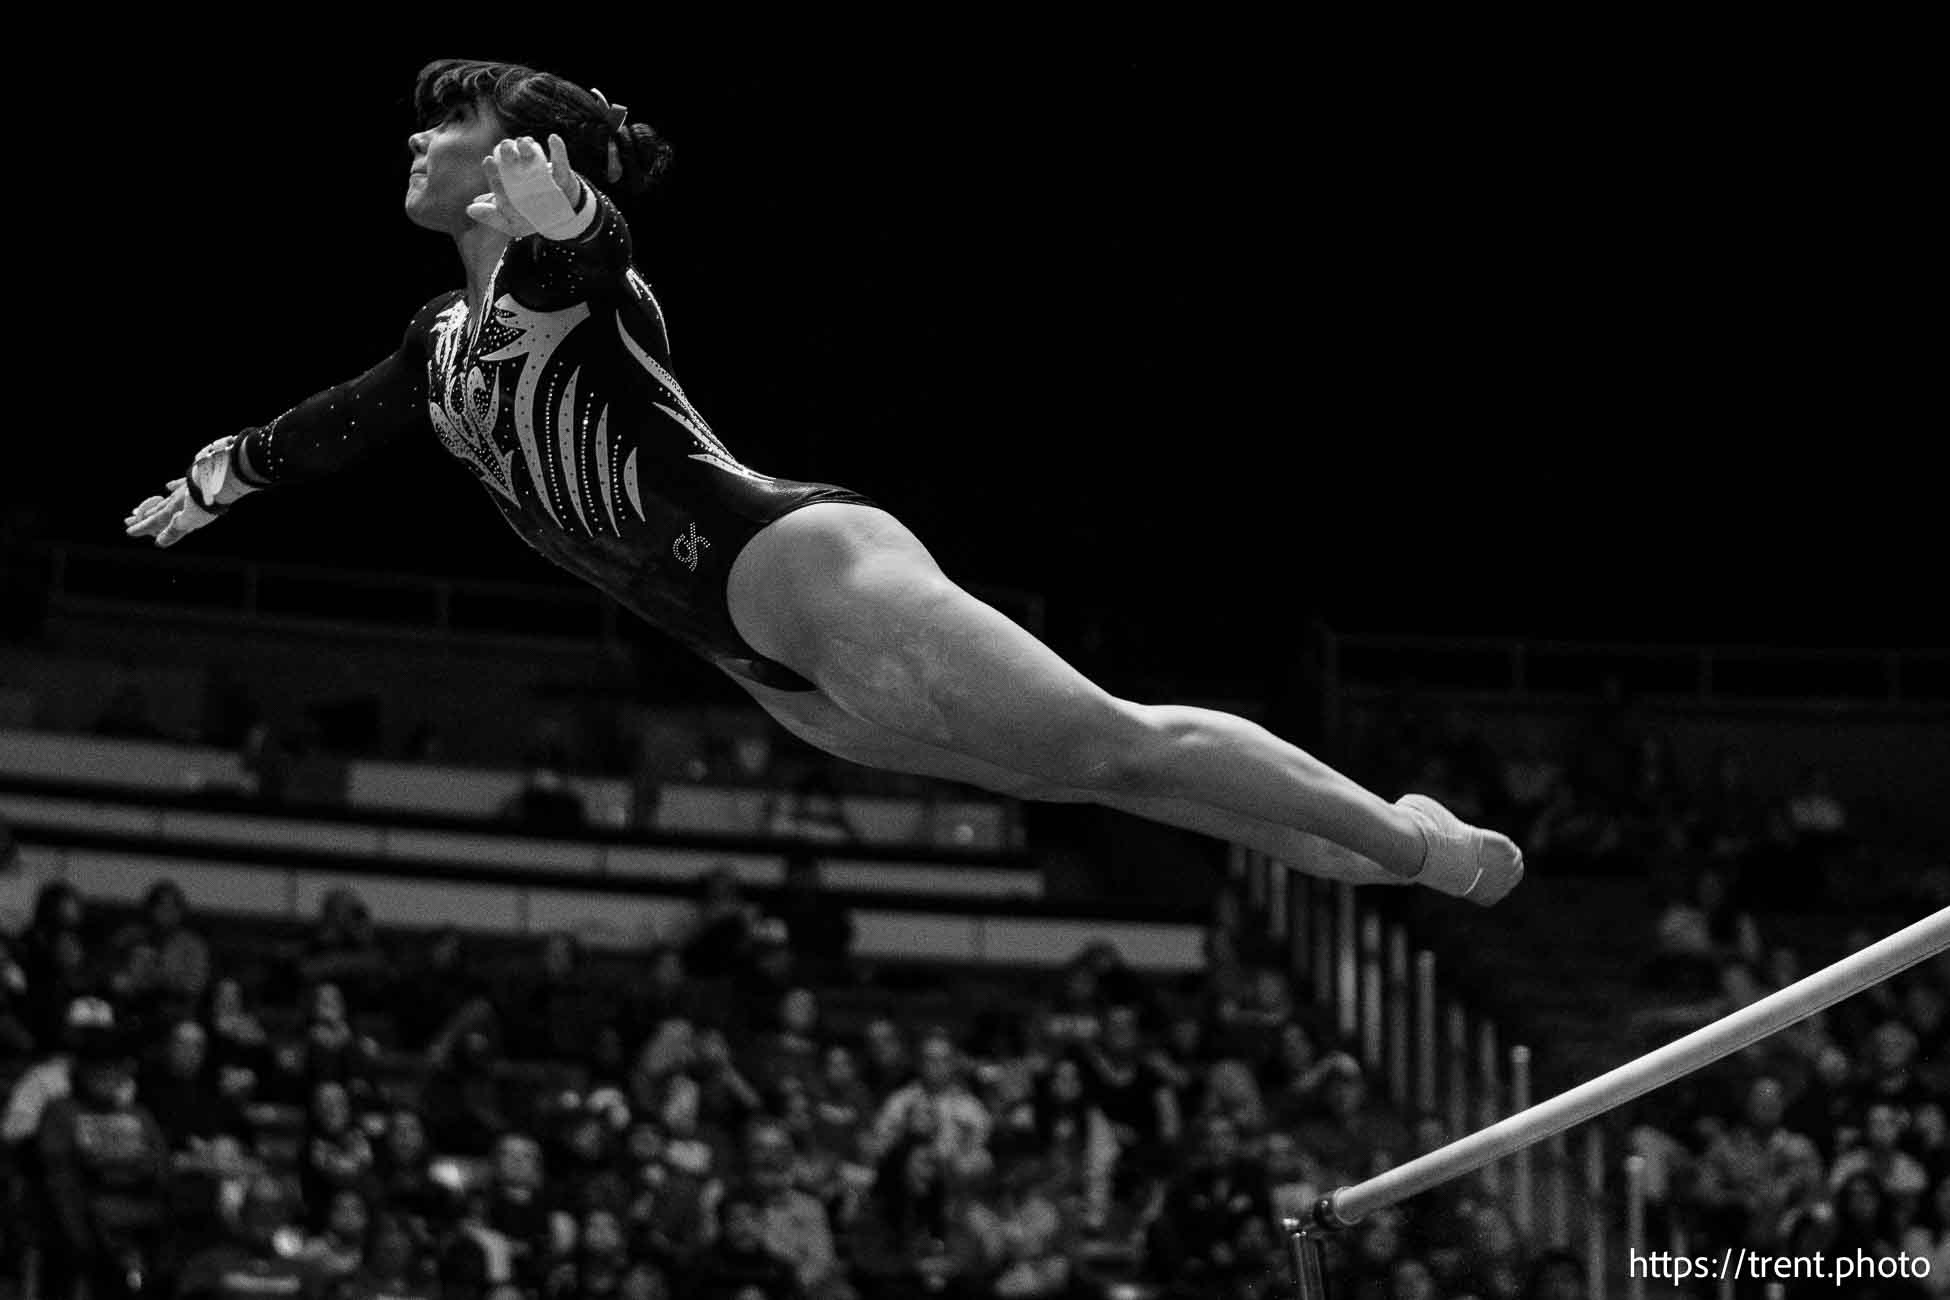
{"points": [[561, 401]]}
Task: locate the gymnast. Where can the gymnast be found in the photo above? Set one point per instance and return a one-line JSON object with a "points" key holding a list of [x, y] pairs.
{"points": [[549, 377]]}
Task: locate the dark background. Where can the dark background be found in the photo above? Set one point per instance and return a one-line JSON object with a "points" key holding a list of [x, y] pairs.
{"points": [[1206, 335]]}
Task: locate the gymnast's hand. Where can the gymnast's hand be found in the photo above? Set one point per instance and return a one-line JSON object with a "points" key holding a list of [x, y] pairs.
{"points": [[209, 489], [532, 192]]}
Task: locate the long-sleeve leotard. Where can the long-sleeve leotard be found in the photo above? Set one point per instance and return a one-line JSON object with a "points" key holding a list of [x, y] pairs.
{"points": [[558, 395]]}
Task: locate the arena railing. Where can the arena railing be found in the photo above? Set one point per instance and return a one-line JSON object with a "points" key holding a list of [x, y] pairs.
{"points": [[1433, 1052], [614, 893], [1714, 673], [84, 578]]}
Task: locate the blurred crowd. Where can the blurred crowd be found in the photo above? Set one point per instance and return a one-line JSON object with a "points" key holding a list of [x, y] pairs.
{"points": [[1831, 1137], [197, 1110], [740, 1111]]}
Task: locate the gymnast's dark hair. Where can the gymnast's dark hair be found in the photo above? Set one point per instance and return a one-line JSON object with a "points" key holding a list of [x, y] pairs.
{"points": [[534, 103]]}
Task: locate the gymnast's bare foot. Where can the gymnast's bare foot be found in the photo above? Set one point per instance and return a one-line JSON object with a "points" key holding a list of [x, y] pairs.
{"points": [[1463, 861]]}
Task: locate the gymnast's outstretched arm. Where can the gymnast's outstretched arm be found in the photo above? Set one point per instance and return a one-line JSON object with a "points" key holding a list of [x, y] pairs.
{"points": [[327, 432]]}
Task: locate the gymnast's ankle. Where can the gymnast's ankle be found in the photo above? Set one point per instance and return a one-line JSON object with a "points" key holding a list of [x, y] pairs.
{"points": [[1461, 860]]}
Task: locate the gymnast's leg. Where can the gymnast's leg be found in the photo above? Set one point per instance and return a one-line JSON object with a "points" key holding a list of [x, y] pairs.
{"points": [[847, 596], [821, 723]]}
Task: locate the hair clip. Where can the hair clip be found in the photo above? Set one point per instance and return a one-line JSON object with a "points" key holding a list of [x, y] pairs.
{"points": [[617, 114]]}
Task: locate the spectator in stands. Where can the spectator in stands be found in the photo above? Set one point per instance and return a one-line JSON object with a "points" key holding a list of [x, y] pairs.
{"points": [[1756, 1176], [769, 971], [1929, 1139], [1180, 1057], [333, 1049], [1814, 814], [1700, 931], [1439, 777], [645, 1281], [664, 1068], [886, 1065], [559, 1011], [438, 993], [792, 1224], [810, 808], [675, 1194], [1411, 1278], [739, 1265], [1733, 819], [475, 1261], [16, 1039], [403, 1174], [1135, 1098], [465, 1105], [666, 993], [726, 1099], [1195, 1240], [1026, 1236], [241, 1055], [1556, 1275], [267, 756], [252, 1264], [179, 1088], [1926, 1010], [912, 1239], [791, 1049], [585, 1155], [1074, 1017], [1073, 1133], [815, 1167], [343, 949], [546, 803], [718, 939], [1367, 1269], [1929, 1238], [181, 965], [1529, 775], [1253, 1023], [1900, 1174], [104, 1164], [820, 926], [128, 715], [1117, 981], [1890, 1072], [53, 958], [390, 1265], [525, 1210], [1291, 1077], [1229, 987], [339, 1250], [1500, 1260], [52, 1077], [598, 1261], [1293, 1181], [1657, 812], [1351, 1139], [44, 1082], [337, 1155], [843, 1108], [1863, 1219], [1575, 827], [938, 1105], [1231, 1090]]}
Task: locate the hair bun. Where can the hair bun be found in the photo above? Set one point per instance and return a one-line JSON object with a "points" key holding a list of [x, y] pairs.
{"points": [[644, 155]]}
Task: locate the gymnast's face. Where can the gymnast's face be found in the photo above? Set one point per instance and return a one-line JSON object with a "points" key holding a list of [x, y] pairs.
{"points": [[446, 173]]}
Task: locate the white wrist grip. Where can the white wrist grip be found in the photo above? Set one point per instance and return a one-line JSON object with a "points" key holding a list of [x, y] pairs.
{"points": [[541, 202]]}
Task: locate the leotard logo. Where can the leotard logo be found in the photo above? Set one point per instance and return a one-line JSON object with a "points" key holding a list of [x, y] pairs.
{"points": [[689, 547]]}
